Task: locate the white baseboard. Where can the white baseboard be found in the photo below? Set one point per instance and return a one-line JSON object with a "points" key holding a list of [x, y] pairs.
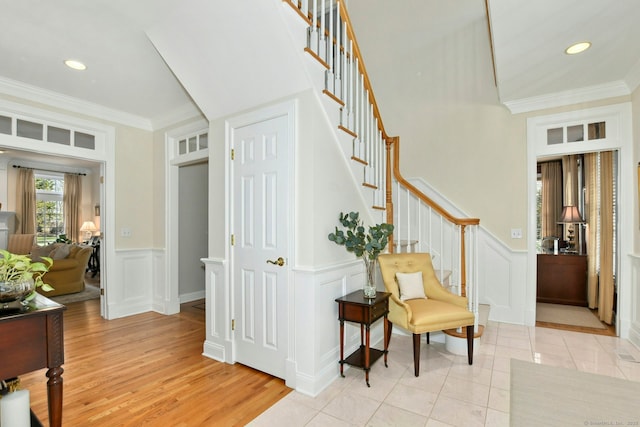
{"points": [[192, 296]]}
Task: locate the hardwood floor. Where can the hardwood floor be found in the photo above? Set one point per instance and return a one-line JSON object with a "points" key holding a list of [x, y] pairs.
{"points": [[148, 369]]}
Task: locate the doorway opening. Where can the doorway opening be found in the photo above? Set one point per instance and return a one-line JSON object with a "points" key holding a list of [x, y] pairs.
{"points": [[187, 174], [576, 235], [602, 133], [193, 235]]}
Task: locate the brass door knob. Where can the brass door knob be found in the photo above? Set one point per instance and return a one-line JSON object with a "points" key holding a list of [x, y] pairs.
{"points": [[278, 262]]}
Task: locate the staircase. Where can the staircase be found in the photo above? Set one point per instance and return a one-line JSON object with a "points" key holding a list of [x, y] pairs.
{"points": [[421, 224]]}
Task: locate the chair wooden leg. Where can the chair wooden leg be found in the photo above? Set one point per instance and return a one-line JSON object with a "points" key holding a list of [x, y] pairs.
{"points": [[416, 354], [470, 332], [428, 338], [389, 327]]}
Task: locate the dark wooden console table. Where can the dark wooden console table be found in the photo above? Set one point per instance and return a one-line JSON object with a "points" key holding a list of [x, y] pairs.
{"points": [[562, 279], [354, 307], [32, 338]]}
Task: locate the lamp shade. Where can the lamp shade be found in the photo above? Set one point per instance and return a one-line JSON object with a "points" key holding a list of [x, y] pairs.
{"points": [[88, 226], [570, 215]]}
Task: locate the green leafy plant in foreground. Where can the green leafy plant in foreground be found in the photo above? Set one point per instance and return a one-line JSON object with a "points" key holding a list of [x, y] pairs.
{"points": [[20, 268]]}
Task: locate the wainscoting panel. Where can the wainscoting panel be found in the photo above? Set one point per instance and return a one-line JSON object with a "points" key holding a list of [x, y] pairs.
{"points": [[634, 329], [502, 277], [163, 300], [129, 292], [218, 343]]}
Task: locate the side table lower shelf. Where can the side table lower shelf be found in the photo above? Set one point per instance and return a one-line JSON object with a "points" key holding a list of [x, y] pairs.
{"points": [[357, 358]]}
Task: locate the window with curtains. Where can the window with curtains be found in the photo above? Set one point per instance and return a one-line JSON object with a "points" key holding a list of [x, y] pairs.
{"points": [[49, 207]]}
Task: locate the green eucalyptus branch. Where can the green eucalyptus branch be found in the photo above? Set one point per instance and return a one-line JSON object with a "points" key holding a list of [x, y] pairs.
{"points": [[354, 238]]}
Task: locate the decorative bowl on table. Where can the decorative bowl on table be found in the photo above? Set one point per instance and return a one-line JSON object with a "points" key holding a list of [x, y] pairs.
{"points": [[15, 291]]}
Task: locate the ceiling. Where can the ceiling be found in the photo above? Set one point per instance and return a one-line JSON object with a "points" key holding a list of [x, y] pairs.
{"points": [[127, 76], [529, 39]]}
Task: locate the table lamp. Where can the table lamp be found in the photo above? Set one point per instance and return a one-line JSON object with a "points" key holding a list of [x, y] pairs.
{"points": [[570, 215]]}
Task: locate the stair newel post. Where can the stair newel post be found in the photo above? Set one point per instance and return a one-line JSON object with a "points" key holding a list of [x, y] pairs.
{"points": [[388, 189]]}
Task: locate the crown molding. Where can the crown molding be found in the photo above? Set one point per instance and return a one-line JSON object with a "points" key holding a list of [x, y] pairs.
{"points": [[569, 97], [58, 100], [178, 115]]}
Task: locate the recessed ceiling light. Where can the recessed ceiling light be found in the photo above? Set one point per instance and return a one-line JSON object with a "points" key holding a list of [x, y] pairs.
{"points": [[76, 65], [577, 48]]}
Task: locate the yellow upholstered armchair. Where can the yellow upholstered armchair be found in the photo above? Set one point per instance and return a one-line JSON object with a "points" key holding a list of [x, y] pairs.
{"points": [[419, 303], [21, 244]]}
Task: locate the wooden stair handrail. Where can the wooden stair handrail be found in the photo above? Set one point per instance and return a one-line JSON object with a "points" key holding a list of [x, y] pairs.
{"points": [[395, 141]]}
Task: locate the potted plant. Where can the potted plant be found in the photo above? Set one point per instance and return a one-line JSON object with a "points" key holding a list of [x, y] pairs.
{"points": [[365, 245], [20, 276]]}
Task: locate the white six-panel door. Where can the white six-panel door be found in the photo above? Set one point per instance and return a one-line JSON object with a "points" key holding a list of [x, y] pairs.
{"points": [[260, 221]]}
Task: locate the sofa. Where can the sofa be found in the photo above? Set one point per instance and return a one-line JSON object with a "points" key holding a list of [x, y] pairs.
{"points": [[66, 275]]}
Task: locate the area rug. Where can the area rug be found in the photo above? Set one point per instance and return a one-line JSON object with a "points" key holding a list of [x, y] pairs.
{"points": [[544, 395], [90, 292], [567, 315]]}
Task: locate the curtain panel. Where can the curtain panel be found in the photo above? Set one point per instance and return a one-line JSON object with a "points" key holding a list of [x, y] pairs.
{"points": [[605, 300], [551, 198], [593, 226], [26, 202], [72, 202]]}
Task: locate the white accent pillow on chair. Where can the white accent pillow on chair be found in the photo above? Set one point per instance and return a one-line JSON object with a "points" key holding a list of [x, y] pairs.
{"points": [[410, 285]]}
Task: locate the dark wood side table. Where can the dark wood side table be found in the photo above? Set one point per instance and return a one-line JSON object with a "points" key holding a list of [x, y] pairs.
{"points": [[94, 260], [562, 279], [32, 338], [354, 307]]}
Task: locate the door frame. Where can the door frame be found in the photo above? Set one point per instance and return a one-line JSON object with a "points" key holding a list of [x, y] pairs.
{"points": [[619, 117], [167, 299], [288, 109]]}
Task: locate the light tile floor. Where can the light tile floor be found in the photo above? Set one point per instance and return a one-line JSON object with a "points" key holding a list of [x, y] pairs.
{"points": [[448, 391]]}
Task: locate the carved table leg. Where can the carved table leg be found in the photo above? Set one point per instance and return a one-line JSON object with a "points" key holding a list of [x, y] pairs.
{"points": [[54, 394]]}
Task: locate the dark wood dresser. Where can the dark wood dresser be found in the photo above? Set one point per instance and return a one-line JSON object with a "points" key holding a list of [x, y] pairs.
{"points": [[562, 279]]}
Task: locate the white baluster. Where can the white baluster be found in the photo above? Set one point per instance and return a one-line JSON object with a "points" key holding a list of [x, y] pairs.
{"points": [[313, 33], [338, 54], [322, 48], [352, 86], [330, 83]]}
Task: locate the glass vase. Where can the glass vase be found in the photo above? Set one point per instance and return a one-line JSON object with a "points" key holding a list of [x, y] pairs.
{"points": [[370, 290]]}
